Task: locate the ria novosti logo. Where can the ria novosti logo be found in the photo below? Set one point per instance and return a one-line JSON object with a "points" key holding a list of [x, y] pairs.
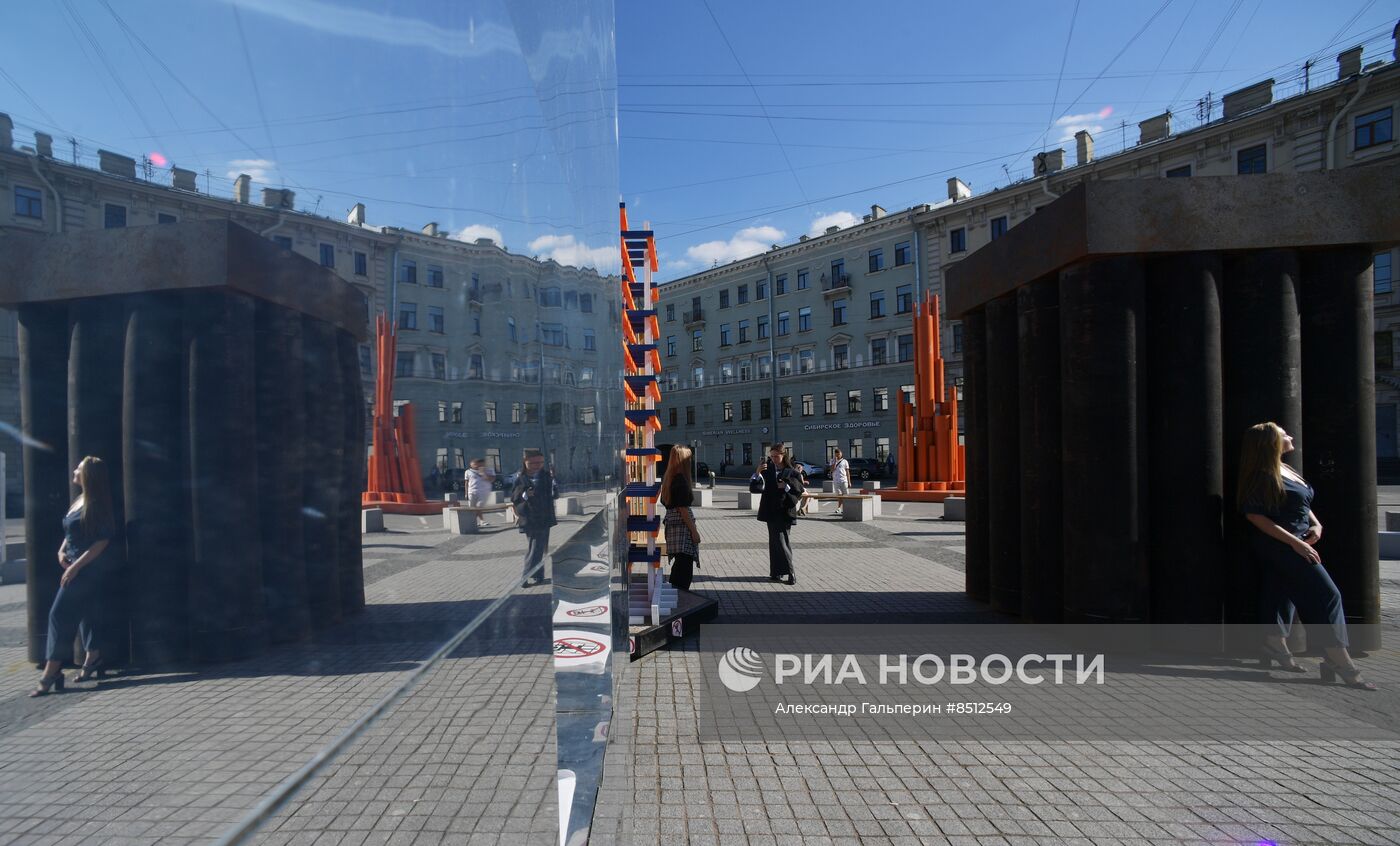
{"points": [[740, 669]]}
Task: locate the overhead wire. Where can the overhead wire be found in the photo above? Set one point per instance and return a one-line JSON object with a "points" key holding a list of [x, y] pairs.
{"points": [[1064, 57]]}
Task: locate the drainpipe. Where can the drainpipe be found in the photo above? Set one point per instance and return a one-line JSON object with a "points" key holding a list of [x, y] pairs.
{"points": [[281, 219], [772, 354], [1337, 119], [57, 200]]}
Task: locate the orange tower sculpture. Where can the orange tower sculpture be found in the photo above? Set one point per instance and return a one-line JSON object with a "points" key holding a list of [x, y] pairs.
{"points": [[395, 477], [931, 462]]}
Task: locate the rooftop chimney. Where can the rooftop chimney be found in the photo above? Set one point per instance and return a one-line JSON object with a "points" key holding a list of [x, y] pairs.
{"points": [[278, 198], [831, 229], [877, 212], [183, 179], [240, 188], [357, 215], [1349, 62], [1083, 147], [1256, 95], [802, 237], [116, 164], [958, 190], [7, 132], [431, 230], [43, 144], [1155, 128], [485, 242], [1047, 163]]}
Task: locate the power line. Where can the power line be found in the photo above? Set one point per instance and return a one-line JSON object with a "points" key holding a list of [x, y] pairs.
{"points": [[1172, 43], [107, 64], [257, 93], [1064, 57], [25, 94]]}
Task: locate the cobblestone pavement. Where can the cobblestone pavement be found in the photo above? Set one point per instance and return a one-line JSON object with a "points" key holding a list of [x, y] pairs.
{"points": [[662, 785], [176, 757]]}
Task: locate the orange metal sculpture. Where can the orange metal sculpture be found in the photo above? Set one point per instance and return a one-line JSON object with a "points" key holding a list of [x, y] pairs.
{"points": [[395, 477], [930, 459]]}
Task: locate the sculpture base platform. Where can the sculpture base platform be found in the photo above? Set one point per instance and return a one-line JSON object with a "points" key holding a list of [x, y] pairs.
{"points": [[901, 495], [691, 610], [418, 508]]}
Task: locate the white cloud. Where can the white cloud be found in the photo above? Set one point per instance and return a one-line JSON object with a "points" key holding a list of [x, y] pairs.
{"points": [[746, 242], [477, 230], [1069, 125], [568, 251], [258, 169], [840, 218], [478, 39]]}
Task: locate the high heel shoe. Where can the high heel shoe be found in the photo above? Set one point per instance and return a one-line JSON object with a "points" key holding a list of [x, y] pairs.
{"points": [[1350, 676], [47, 684], [1283, 658], [91, 672]]}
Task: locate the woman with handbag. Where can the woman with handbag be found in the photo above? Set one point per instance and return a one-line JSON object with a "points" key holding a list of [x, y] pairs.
{"points": [[682, 538], [781, 489]]}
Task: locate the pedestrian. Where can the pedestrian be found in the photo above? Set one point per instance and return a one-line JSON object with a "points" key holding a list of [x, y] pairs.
{"points": [[88, 528], [533, 497], [805, 502], [781, 489], [1277, 501], [840, 472], [480, 480], [889, 466], [435, 479], [682, 537]]}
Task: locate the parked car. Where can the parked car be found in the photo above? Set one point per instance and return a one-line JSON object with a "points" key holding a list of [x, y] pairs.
{"points": [[867, 468], [813, 471]]}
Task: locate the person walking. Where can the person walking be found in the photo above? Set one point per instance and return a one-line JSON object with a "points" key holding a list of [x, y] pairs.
{"points": [[805, 503], [88, 528], [682, 537], [1277, 501], [781, 489], [480, 481], [840, 471], [533, 497]]}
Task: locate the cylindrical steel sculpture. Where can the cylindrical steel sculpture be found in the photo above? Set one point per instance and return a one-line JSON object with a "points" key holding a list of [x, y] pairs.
{"points": [[1038, 421], [1003, 463]]}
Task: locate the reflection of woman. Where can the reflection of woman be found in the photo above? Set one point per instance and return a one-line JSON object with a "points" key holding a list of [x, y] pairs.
{"points": [[87, 528], [1278, 503], [533, 497], [781, 488], [682, 538]]}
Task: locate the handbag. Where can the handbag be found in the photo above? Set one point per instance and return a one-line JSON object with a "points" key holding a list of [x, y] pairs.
{"points": [[756, 483]]}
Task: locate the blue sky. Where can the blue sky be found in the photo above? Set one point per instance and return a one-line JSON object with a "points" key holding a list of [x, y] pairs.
{"points": [[741, 124]]}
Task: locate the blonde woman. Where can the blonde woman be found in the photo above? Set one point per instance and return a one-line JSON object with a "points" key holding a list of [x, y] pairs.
{"points": [[1277, 501], [87, 529], [682, 538]]}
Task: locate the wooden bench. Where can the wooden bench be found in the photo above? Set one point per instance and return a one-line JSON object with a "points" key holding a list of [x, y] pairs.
{"points": [[466, 519]]}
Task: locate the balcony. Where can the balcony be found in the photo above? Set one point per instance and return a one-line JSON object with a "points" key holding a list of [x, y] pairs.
{"points": [[695, 317], [474, 297], [837, 285]]}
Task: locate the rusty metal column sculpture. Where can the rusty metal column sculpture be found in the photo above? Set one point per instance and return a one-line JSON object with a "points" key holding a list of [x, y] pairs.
{"points": [[1042, 538], [1004, 458], [975, 394]]}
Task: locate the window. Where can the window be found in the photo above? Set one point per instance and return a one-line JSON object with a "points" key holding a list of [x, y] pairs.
{"points": [[690, 415], [882, 449], [1385, 351], [857, 448], [765, 408], [672, 418], [29, 203], [1374, 128], [760, 289], [830, 405], [762, 326], [283, 241], [554, 414], [1381, 270], [553, 373], [904, 299], [532, 372], [585, 303], [439, 366], [435, 277], [748, 453], [697, 340], [785, 406], [570, 300], [493, 459], [877, 304], [476, 324], [585, 375], [724, 334], [442, 411], [746, 409], [490, 408], [808, 408], [784, 364], [804, 318], [1253, 159], [476, 366], [838, 312], [879, 349], [957, 338], [853, 402], [403, 364], [436, 321], [765, 367], [361, 264], [328, 255], [366, 360], [743, 331], [743, 294], [590, 342], [745, 370], [408, 272], [1176, 172], [697, 376], [957, 240], [902, 254], [515, 414], [670, 345], [780, 285], [806, 361], [531, 413], [876, 259], [998, 227], [162, 217], [408, 315], [906, 347], [724, 298], [908, 392], [671, 313], [803, 280], [456, 412], [517, 373], [549, 298], [838, 273], [510, 328], [841, 356], [881, 399], [113, 216], [587, 416]]}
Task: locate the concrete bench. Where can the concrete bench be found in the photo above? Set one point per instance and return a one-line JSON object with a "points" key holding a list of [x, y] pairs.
{"points": [[1392, 521], [955, 508], [566, 505], [1390, 545], [13, 571], [466, 520], [451, 497], [867, 506], [704, 498], [749, 501], [874, 486], [371, 520]]}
